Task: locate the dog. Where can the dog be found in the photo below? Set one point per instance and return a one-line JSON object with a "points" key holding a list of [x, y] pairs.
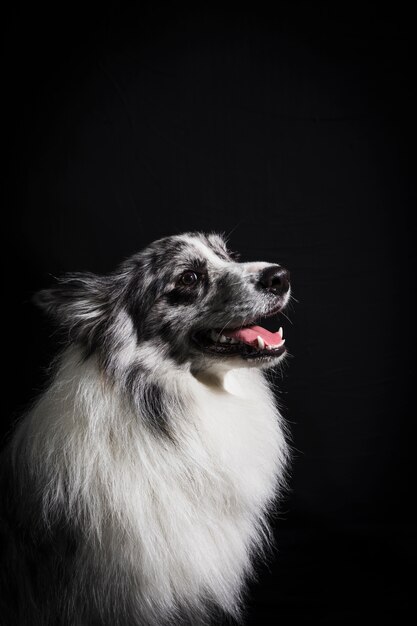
{"points": [[138, 487]]}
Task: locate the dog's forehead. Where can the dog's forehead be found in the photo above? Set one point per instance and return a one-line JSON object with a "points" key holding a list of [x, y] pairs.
{"points": [[211, 248]]}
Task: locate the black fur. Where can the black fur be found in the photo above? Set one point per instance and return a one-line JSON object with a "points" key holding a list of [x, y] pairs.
{"points": [[137, 325]]}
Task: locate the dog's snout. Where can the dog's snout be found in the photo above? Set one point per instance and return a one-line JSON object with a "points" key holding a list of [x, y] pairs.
{"points": [[275, 279]]}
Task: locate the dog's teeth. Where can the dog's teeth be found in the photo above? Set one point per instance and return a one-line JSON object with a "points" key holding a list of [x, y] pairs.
{"points": [[261, 343], [281, 332], [232, 340], [223, 339], [268, 347]]}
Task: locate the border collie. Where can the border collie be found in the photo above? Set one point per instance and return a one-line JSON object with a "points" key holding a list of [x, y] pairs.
{"points": [[139, 484]]}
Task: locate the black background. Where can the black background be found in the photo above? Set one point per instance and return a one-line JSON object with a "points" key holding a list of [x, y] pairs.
{"points": [[292, 130]]}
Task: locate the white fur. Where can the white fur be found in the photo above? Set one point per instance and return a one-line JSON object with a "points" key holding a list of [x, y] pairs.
{"points": [[145, 473], [173, 523]]}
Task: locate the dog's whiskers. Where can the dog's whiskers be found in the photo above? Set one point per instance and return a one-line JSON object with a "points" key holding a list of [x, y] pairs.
{"points": [[131, 452]]}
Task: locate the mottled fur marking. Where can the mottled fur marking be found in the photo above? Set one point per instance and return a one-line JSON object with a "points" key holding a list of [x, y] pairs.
{"points": [[138, 486]]}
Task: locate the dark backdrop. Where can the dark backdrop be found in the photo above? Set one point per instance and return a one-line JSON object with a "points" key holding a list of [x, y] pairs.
{"points": [[292, 131]]}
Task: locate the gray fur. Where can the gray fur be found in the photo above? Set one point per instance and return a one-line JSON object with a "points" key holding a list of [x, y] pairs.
{"points": [[138, 486]]}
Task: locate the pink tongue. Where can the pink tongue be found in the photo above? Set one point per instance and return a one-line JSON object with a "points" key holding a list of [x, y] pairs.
{"points": [[250, 333]]}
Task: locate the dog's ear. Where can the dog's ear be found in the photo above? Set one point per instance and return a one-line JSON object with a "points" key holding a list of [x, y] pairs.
{"points": [[78, 303]]}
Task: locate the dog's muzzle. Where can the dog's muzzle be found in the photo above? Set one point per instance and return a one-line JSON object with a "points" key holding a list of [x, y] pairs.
{"points": [[251, 340]]}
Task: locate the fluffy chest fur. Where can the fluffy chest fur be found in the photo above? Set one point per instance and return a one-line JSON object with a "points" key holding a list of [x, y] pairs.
{"points": [[141, 480], [176, 522]]}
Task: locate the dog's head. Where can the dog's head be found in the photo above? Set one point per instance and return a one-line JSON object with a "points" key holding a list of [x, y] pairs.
{"points": [[185, 297]]}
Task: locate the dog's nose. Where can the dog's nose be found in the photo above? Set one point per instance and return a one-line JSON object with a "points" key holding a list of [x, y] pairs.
{"points": [[275, 279]]}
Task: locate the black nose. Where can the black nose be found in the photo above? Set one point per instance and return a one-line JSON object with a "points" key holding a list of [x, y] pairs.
{"points": [[275, 279]]}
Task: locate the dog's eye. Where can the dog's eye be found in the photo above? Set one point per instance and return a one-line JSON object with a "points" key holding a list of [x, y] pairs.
{"points": [[189, 278]]}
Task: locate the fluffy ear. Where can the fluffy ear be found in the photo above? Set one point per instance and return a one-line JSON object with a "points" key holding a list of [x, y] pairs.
{"points": [[78, 303]]}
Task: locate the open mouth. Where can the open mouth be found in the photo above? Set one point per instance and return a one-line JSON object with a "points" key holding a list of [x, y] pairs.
{"points": [[248, 342]]}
